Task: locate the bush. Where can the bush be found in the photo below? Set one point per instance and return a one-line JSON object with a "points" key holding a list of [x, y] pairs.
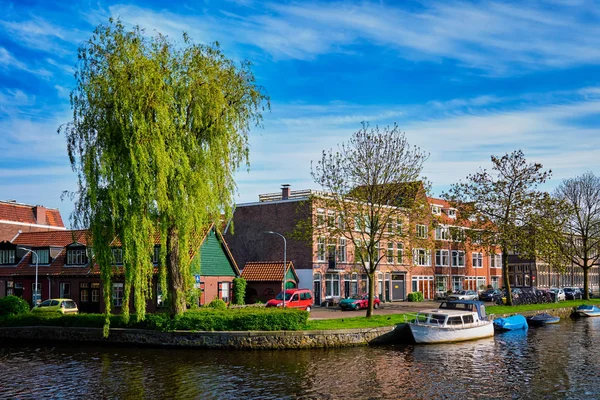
{"points": [[206, 319], [239, 291], [415, 297], [13, 305], [217, 304]]}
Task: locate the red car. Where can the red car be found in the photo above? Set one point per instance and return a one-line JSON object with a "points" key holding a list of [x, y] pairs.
{"points": [[358, 302], [294, 298]]}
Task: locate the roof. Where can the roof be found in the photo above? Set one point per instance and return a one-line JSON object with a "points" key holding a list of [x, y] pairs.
{"points": [[25, 214], [266, 271], [52, 238]]}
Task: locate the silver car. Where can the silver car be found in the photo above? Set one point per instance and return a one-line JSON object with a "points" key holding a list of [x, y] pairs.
{"points": [[464, 295]]}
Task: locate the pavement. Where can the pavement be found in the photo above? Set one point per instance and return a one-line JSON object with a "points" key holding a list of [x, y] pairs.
{"points": [[400, 307]]}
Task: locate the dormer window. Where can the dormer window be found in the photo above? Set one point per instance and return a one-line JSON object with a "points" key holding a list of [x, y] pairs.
{"points": [[7, 256], [436, 210], [76, 255], [452, 213], [43, 254], [117, 253]]}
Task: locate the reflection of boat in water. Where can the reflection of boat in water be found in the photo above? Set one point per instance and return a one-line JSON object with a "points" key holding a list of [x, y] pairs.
{"points": [[588, 311], [512, 323], [453, 321], [542, 319]]}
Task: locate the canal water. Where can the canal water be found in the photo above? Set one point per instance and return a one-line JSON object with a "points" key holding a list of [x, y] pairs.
{"points": [[553, 362]]}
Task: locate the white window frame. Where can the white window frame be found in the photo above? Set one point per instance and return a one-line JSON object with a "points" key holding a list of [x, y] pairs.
{"points": [[342, 254], [331, 219], [442, 232], [422, 257], [477, 259], [320, 217], [400, 252], [321, 250], [442, 258], [496, 261], [390, 253], [117, 294], [421, 231], [457, 257]]}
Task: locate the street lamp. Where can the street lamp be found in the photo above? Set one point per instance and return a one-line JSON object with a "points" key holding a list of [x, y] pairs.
{"points": [[37, 258], [284, 261]]}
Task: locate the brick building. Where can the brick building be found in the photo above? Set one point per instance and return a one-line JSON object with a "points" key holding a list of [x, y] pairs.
{"points": [[16, 218], [428, 259]]}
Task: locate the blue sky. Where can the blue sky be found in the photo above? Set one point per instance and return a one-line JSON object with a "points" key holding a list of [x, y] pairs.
{"points": [[464, 80]]}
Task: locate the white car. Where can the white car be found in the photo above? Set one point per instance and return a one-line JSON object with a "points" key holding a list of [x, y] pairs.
{"points": [[559, 293], [464, 295]]}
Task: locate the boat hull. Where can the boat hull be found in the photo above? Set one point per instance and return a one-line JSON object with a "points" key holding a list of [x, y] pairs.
{"points": [[512, 323], [426, 334], [588, 311], [542, 319]]}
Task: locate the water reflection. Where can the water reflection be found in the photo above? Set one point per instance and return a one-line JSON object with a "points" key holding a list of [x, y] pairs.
{"points": [[557, 361]]}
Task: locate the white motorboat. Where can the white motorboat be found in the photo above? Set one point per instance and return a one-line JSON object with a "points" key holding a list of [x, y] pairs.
{"points": [[454, 321]]}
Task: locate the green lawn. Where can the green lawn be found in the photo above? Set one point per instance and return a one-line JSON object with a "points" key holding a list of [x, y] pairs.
{"points": [[536, 307]]}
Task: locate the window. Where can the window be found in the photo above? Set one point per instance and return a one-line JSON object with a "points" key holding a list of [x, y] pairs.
{"points": [[477, 260], [76, 256], [321, 249], [458, 234], [399, 227], [390, 253], [457, 283], [331, 219], [156, 255], [43, 254], [435, 209], [477, 237], [224, 291], [422, 257], [452, 212], [65, 290], [390, 226], [458, 258], [340, 223], [341, 250], [331, 252], [332, 285], [320, 217], [7, 256], [496, 282], [442, 233], [159, 296], [442, 258], [84, 296], [117, 253], [400, 254], [117, 294], [422, 231], [496, 261]]}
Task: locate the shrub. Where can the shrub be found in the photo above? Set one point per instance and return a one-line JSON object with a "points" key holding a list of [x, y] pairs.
{"points": [[218, 304], [239, 290], [415, 297], [13, 305]]}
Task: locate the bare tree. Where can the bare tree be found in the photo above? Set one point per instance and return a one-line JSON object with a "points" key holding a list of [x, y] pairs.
{"points": [[579, 242], [372, 186], [501, 205]]}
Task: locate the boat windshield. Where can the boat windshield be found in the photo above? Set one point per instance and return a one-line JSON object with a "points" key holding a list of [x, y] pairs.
{"points": [[437, 319]]}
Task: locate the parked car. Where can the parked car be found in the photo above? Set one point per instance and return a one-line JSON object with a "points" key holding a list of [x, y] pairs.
{"points": [[359, 301], [464, 295], [490, 295], [63, 306], [589, 291], [294, 298], [559, 293], [573, 293]]}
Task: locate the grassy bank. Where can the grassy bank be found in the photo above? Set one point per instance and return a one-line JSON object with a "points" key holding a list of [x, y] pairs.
{"points": [[537, 307]]}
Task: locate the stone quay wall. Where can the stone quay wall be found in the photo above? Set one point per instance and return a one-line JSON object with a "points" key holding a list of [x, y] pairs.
{"points": [[219, 340]]}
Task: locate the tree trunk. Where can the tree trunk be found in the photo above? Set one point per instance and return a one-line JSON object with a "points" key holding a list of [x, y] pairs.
{"points": [[505, 276], [586, 281], [371, 276], [175, 278]]}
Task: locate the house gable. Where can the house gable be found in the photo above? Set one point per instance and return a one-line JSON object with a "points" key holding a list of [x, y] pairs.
{"points": [[214, 258]]}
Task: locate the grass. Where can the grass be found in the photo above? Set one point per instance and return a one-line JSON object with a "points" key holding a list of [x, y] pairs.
{"points": [[537, 307], [357, 322]]}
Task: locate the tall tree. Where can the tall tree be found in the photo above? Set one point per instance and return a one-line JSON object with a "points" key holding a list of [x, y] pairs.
{"points": [[158, 130], [578, 242], [501, 205], [371, 183]]}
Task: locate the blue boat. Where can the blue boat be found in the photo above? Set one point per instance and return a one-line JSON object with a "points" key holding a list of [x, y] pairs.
{"points": [[510, 323], [542, 319], [588, 311]]}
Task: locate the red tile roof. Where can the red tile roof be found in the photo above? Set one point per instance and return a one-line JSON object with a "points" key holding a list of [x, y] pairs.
{"points": [[52, 238], [24, 213], [265, 270]]}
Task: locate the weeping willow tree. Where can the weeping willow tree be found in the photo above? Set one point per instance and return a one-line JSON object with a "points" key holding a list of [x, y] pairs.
{"points": [[158, 130]]}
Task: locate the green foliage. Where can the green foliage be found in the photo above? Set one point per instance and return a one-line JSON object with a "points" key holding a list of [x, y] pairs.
{"points": [[159, 129], [13, 305], [206, 319], [415, 297], [193, 297], [217, 304], [239, 291]]}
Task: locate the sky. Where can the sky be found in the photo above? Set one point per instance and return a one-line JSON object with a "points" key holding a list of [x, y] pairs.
{"points": [[463, 80]]}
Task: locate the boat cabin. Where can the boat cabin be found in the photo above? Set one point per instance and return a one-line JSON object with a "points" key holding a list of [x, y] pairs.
{"points": [[466, 305]]}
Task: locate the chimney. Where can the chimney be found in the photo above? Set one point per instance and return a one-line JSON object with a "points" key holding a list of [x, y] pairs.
{"points": [[40, 214], [285, 191]]}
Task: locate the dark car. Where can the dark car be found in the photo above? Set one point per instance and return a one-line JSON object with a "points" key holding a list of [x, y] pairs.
{"points": [[490, 295], [589, 291], [573, 293]]}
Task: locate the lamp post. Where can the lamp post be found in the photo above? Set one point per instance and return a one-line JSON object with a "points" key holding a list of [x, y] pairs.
{"points": [[36, 273], [284, 261]]}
